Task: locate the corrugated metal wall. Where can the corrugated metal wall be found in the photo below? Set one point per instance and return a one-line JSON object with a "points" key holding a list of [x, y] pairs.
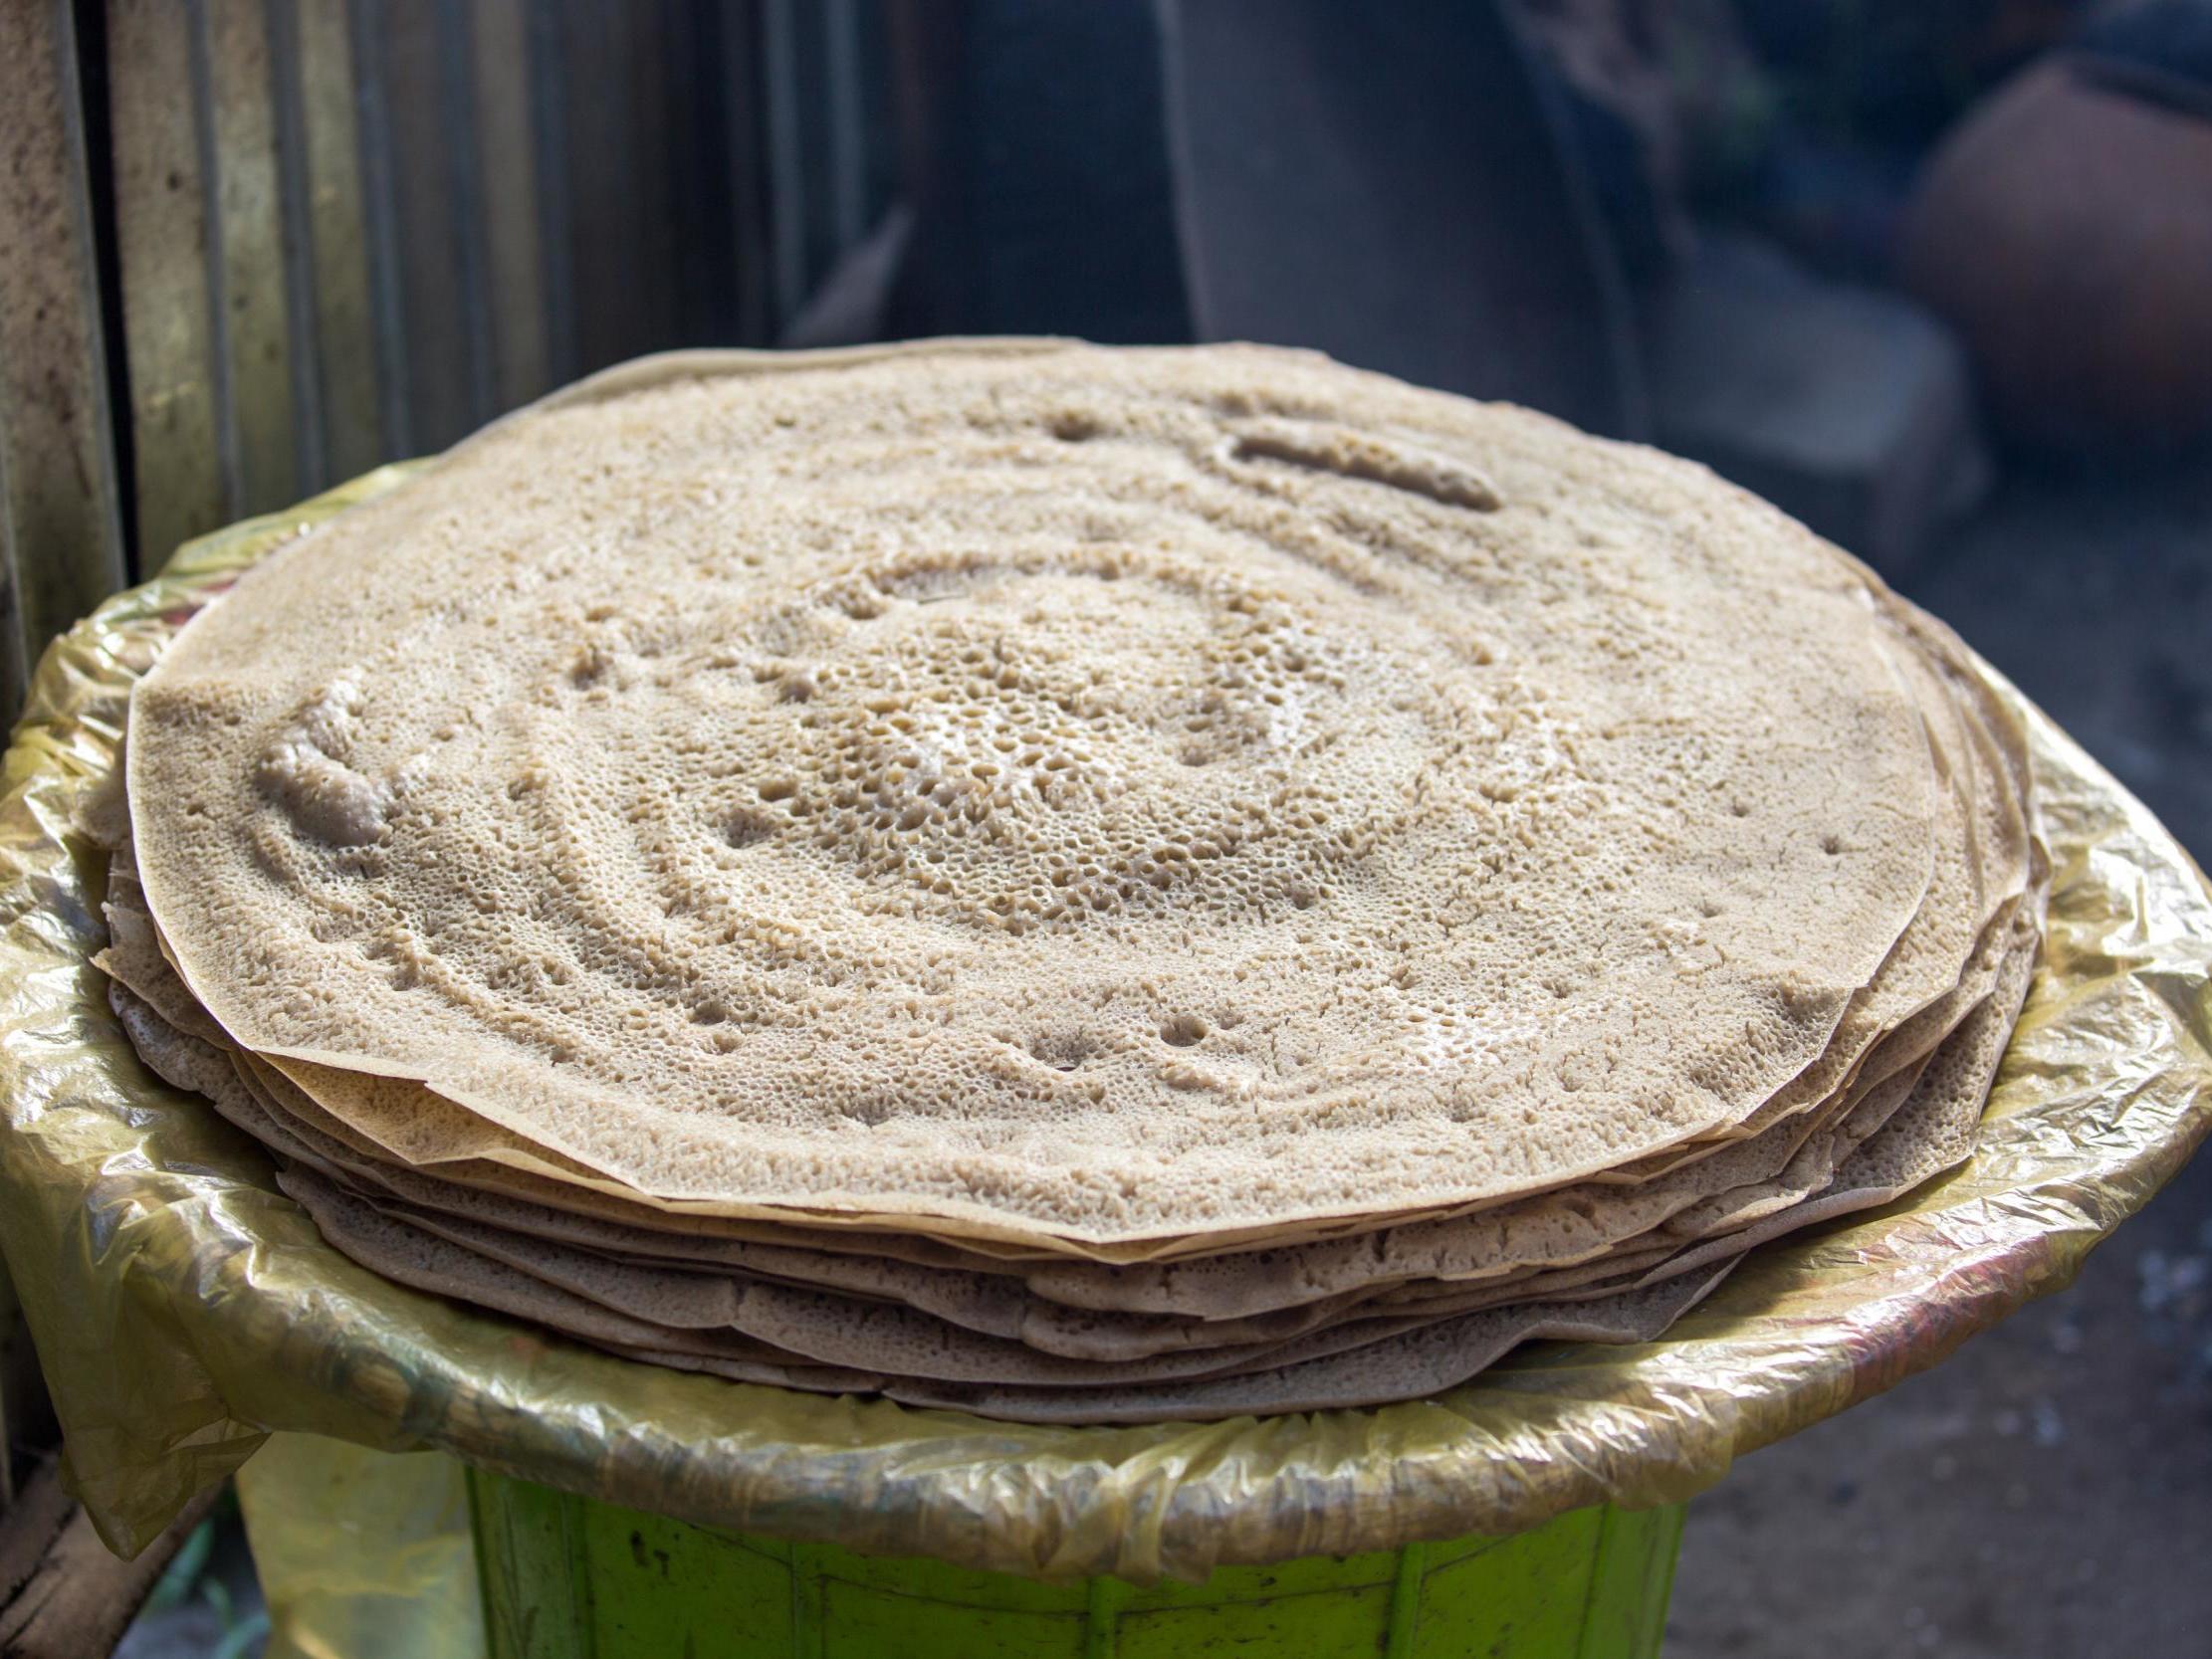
{"points": [[249, 248], [62, 534]]}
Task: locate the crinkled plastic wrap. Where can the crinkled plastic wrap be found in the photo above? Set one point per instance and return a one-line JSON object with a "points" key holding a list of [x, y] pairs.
{"points": [[361, 1552], [184, 1310]]}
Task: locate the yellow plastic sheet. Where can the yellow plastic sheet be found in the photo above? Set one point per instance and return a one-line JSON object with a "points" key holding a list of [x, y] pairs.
{"points": [[361, 1552], [184, 1310]]}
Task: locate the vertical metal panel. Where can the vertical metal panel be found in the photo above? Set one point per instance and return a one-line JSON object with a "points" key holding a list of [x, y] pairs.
{"points": [[747, 190], [700, 230], [163, 245], [59, 534], [281, 21], [251, 317], [379, 220], [460, 152], [548, 85], [617, 70], [658, 220], [602, 263], [812, 76], [507, 148], [787, 180], [322, 143], [403, 59], [882, 163], [845, 101]]}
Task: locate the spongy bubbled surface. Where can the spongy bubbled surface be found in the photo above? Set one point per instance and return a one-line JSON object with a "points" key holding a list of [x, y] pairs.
{"points": [[1105, 792]]}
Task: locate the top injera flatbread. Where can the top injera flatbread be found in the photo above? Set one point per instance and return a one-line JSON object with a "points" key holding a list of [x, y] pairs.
{"points": [[1976, 867], [1567, 1225], [1047, 794]]}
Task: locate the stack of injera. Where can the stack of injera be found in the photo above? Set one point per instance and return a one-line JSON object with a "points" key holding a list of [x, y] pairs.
{"points": [[1076, 885]]}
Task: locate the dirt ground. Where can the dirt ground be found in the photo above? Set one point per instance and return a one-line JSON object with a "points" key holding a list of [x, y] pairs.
{"points": [[2046, 1493]]}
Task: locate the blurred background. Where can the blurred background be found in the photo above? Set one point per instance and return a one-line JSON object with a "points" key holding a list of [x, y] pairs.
{"points": [[1933, 274]]}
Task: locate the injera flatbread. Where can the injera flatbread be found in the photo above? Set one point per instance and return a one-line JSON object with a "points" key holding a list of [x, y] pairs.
{"points": [[738, 1354], [1932, 1134], [1726, 1173], [690, 1300], [857, 1272], [762, 787], [981, 1302], [1936, 1130], [1922, 966], [1785, 1145], [1947, 865], [1434, 1357]]}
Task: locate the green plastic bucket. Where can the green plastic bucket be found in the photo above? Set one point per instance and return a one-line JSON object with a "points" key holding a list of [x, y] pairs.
{"points": [[565, 1577]]}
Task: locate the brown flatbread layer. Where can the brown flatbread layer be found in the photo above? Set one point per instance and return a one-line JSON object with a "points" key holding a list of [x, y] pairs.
{"points": [[993, 1307], [1931, 1130], [1954, 1088], [1436, 1356], [810, 1328], [1566, 813], [798, 1266], [409, 1122], [1074, 885]]}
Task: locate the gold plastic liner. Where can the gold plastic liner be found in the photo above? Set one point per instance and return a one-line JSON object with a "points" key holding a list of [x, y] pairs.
{"points": [[361, 1552], [183, 1309]]}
